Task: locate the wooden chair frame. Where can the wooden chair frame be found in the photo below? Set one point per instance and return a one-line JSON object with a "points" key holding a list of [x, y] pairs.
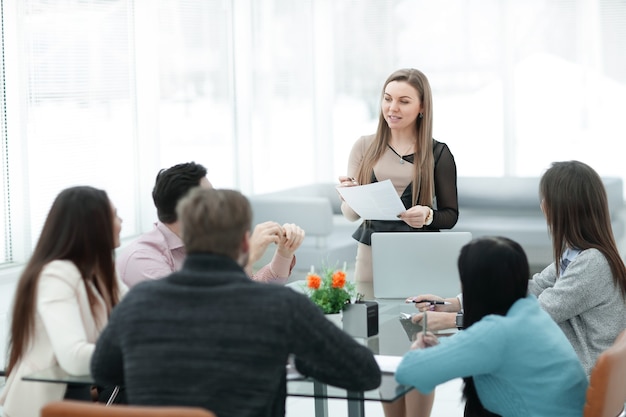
{"points": [[606, 394], [69, 408]]}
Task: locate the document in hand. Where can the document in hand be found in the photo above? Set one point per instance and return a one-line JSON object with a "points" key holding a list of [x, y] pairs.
{"points": [[375, 201]]}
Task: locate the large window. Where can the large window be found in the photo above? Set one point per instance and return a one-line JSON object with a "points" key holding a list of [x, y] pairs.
{"points": [[271, 94], [5, 211], [283, 120], [195, 102], [79, 103], [516, 85]]}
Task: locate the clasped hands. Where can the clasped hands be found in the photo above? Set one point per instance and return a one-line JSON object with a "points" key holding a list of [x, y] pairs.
{"points": [[288, 237]]}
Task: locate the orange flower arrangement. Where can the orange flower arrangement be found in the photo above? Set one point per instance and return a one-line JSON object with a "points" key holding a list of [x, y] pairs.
{"points": [[330, 291], [339, 279], [313, 281]]}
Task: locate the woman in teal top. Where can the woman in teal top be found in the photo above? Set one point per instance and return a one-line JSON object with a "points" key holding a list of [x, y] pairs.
{"points": [[514, 359]]}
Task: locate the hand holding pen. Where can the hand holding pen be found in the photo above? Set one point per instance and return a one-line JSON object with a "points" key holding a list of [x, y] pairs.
{"points": [[433, 302], [345, 181], [425, 338], [429, 302]]}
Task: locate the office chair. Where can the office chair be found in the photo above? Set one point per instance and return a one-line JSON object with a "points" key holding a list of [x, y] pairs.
{"points": [[69, 408], [607, 384]]}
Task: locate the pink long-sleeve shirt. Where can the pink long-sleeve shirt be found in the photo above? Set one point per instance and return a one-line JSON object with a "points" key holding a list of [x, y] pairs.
{"points": [[159, 252]]}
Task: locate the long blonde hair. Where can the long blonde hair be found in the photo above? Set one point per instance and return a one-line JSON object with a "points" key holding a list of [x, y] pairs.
{"points": [[423, 190]]}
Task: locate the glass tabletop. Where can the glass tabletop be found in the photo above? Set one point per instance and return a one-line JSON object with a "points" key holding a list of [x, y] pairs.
{"points": [[392, 340], [388, 391], [57, 375]]}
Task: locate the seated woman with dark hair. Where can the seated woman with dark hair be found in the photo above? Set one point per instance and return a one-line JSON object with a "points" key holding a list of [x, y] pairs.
{"points": [[63, 299], [513, 357], [584, 289]]}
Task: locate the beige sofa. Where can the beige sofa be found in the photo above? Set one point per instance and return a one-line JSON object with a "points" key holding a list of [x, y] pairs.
{"points": [[509, 206], [505, 206]]}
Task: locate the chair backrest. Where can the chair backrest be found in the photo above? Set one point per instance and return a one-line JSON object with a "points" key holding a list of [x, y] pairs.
{"points": [[86, 409], [607, 385]]}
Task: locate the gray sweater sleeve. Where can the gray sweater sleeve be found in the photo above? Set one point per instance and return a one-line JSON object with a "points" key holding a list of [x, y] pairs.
{"points": [[582, 286], [542, 280]]}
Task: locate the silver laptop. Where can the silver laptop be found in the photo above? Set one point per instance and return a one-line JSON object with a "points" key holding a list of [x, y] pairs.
{"points": [[413, 263]]}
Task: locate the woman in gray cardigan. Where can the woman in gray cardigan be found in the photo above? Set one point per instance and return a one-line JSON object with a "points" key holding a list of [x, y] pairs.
{"points": [[584, 290]]}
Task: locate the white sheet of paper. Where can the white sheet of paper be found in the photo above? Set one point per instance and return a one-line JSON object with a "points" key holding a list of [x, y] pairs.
{"points": [[388, 363], [375, 201]]}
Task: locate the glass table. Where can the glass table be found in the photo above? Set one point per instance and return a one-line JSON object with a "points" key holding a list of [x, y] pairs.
{"points": [[391, 340]]}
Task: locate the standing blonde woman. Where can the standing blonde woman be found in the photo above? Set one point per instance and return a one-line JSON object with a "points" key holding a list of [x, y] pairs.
{"points": [[421, 169], [63, 299]]}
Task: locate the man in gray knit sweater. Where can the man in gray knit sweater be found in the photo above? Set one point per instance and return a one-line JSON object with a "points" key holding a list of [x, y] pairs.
{"points": [[209, 336]]}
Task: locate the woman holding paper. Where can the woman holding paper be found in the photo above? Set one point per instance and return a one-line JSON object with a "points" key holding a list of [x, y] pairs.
{"points": [[421, 169], [423, 173]]}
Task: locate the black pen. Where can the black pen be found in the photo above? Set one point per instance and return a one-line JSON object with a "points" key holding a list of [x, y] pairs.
{"points": [[433, 302]]}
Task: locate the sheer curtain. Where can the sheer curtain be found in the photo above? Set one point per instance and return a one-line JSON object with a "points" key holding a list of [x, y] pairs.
{"points": [[5, 211], [516, 85], [80, 123], [273, 94], [195, 113], [282, 118]]}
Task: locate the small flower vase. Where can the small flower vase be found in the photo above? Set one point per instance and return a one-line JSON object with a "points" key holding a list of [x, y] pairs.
{"points": [[336, 318]]}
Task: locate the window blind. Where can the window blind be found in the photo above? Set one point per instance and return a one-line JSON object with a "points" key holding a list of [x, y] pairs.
{"points": [[195, 103], [80, 113], [5, 207]]}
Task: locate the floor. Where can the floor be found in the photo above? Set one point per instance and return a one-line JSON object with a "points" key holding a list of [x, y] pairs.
{"points": [[447, 403]]}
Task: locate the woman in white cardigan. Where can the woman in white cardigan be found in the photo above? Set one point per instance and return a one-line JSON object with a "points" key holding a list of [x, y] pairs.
{"points": [[63, 298]]}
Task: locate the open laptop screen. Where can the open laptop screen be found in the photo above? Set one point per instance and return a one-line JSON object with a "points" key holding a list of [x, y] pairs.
{"points": [[411, 263]]}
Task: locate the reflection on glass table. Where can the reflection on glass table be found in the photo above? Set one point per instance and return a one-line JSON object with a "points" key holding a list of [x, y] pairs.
{"points": [[57, 375], [392, 340]]}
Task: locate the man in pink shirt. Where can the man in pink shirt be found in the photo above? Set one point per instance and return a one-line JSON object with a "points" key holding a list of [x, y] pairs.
{"points": [[159, 252]]}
